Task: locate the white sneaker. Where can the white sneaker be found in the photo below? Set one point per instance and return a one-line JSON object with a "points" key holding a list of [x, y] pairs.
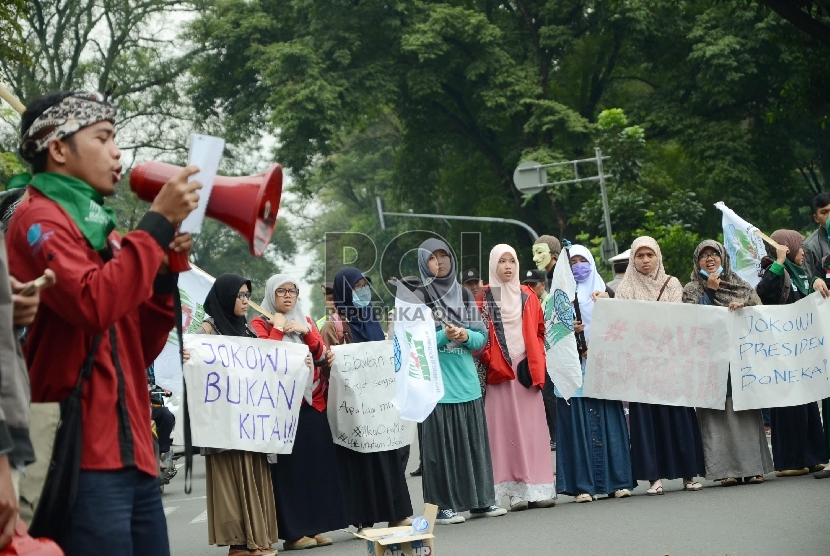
{"points": [[449, 517]]}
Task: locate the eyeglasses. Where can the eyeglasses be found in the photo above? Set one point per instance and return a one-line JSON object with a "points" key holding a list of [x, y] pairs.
{"points": [[291, 292], [243, 295], [706, 256]]}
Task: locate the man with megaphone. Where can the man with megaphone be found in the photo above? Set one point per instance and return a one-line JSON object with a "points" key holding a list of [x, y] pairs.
{"points": [[105, 321]]}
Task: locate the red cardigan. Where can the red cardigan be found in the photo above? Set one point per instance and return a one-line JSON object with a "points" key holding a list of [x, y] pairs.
{"points": [[316, 346], [533, 331]]}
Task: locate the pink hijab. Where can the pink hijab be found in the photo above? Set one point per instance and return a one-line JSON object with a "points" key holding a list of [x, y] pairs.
{"points": [[647, 287], [508, 296]]}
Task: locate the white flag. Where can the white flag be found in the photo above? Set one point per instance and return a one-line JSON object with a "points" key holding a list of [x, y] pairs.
{"points": [[744, 247], [562, 357], [194, 286], [417, 372]]}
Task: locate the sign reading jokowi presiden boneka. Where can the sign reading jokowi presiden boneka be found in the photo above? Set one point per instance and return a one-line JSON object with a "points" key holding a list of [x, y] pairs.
{"points": [[660, 353], [244, 393]]}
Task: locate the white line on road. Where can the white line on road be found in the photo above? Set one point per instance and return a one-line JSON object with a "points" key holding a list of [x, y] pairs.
{"points": [[168, 511], [186, 499], [200, 518]]}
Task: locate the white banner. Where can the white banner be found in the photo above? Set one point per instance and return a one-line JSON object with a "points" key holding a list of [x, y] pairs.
{"points": [[244, 393], [194, 286], [780, 354], [361, 387], [417, 372], [744, 247], [562, 358], [660, 353]]}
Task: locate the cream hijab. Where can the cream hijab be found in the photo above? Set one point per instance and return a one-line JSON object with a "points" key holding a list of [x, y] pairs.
{"points": [[648, 287], [508, 297]]}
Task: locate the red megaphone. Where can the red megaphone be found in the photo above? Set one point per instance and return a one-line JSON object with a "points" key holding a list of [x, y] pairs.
{"points": [[248, 204]]}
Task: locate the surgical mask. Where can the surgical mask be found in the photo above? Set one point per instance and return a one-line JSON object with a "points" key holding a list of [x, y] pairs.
{"points": [[719, 271], [582, 271], [362, 297]]}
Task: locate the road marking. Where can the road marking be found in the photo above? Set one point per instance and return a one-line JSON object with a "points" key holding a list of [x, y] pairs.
{"points": [[168, 511], [186, 499], [200, 518]]}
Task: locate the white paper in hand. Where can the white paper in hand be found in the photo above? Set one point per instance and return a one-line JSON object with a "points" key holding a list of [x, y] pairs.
{"points": [[205, 152]]}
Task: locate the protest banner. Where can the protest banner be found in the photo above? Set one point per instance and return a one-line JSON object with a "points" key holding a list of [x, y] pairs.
{"points": [[194, 286], [244, 393], [779, 356], [419, 384], [361, 387], [661, 353], [561, 356]]}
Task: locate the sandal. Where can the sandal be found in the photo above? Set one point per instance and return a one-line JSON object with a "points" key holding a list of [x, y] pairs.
{"points": [[729, 481], [655, 491], [756, 480], [692, 486], [584, 498]]}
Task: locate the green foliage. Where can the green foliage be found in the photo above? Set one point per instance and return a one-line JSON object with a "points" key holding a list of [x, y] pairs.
{"points": [[12, 43], [9, 166]]}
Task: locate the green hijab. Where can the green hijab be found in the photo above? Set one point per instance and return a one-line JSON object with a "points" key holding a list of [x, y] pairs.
{"points": [[83, 204]]}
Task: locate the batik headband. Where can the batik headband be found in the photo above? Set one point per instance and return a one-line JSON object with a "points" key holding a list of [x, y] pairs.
{"points": [[75, 112]]}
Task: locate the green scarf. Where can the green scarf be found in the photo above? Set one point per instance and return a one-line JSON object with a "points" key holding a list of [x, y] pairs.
{"points": [[798, 276], [84, 205]]}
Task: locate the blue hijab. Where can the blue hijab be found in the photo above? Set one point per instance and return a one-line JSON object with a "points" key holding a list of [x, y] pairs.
{"points": [[361, 319]]}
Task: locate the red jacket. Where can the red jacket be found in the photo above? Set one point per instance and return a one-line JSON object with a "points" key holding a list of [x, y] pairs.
{"points": [[123, 299], [533, 331], [316, 346]]}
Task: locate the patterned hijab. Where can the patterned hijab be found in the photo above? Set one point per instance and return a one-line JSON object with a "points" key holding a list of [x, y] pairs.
{"points": [[296, 313], [647, 287], [732, 287]]}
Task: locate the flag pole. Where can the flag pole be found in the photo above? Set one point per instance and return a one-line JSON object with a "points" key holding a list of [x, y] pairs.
{"points": [[13, 101]]}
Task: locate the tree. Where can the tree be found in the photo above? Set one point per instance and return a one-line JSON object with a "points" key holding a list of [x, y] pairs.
{"points": [[12, 44]]}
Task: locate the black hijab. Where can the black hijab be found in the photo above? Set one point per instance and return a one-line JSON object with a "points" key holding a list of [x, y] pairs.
{"points": [[220, 302]]}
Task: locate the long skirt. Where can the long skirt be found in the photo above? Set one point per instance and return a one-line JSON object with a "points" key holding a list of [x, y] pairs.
{"points": [[665, 442], [734, 442], [457, 469], [519, 441], [797, 437], [825, 418], [374, 486], [240, 500], [307, 488], [592, 451]]}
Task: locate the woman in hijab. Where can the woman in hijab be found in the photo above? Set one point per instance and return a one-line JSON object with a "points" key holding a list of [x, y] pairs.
{"points": [[665, 440], [515, 362], [456, 465], [373, 484], [240, 494], [735, 446], [797, 436], [592, 453], [307, 489]]}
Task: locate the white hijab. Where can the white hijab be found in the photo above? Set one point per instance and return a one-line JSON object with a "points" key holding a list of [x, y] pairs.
{"points": [[585, 289], [296, 313]]}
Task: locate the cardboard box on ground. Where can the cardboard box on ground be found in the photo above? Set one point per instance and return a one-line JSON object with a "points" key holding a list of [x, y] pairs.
{"points": [[379, 542]]}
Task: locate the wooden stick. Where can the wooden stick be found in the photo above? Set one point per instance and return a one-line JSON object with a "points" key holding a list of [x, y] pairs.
{"points": [[768, 239], [253, 305], [13, 101]]}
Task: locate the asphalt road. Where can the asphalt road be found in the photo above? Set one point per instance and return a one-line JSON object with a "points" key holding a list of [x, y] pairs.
{"points": [[782, 517]]}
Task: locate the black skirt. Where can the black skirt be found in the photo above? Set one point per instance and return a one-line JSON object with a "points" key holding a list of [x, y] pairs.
{"points": [[374, 486], [665, 442], [797, 437], [307, 488]]}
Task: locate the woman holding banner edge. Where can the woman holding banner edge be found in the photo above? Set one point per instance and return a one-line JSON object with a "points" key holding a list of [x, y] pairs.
{"points": [[735, 445], [374, 486], [307, 491], [240, 495], [456, 464], [665, 440], [797, 435]]}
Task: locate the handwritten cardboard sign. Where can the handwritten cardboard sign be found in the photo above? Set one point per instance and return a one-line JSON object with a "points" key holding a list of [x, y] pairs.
{"points": [[660, 353], [244, 393], [361, 387], [780, 354]]}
